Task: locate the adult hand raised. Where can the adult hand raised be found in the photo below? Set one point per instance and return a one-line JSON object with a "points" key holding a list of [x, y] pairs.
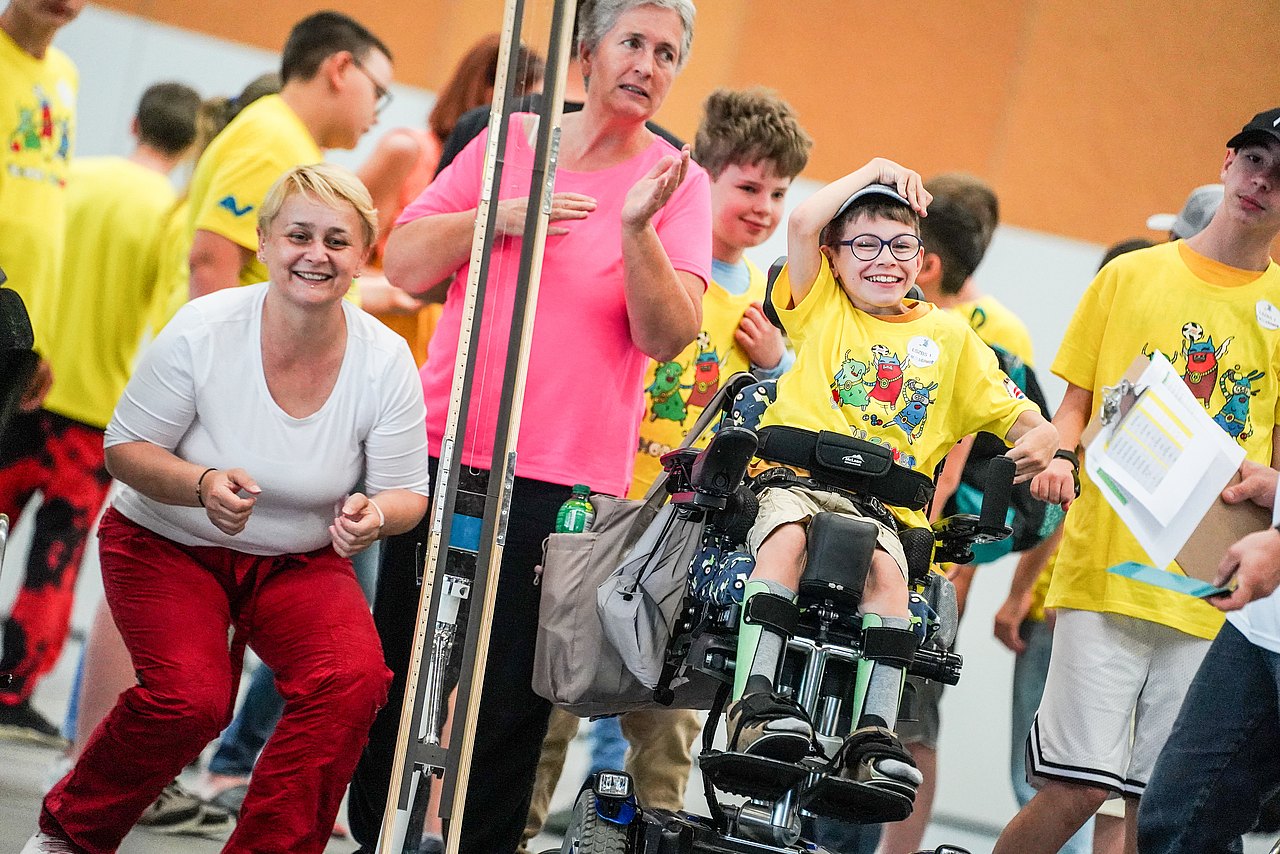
{"points": [[647, 196], [219, 492]]}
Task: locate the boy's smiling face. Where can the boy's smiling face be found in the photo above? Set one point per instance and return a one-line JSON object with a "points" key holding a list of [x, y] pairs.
{"points": [[879, 285], [746, 207]]}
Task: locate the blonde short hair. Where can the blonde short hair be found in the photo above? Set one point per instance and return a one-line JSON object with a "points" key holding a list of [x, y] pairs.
{"points": [[327, 184]]}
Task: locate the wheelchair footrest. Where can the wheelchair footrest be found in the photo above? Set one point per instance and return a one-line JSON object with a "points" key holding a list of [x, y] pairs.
{"points": [[851, 801], [752, 776]]}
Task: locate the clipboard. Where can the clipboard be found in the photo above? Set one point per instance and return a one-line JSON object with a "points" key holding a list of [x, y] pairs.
{"points": [[1117, 400], [1221, 527]]}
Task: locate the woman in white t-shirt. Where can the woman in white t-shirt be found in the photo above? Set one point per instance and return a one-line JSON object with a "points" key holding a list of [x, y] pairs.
{"points": [[238, 441]]}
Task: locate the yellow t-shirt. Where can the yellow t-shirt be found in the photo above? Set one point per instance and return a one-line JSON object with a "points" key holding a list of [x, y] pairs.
{"points": [[916, 382], [37, 120], [1217, 324], [115, 210], [997, 325], [689, 381], [232, 178], [171, 292]]}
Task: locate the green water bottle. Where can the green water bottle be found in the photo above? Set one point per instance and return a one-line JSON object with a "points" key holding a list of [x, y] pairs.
{"points": [[576, 514]]}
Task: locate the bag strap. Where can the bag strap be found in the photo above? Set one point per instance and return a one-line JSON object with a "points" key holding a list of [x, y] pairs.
{"points": [[657, 494]]}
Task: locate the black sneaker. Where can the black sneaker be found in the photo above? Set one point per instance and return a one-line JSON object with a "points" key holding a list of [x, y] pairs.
{"points": [[21, 722]]}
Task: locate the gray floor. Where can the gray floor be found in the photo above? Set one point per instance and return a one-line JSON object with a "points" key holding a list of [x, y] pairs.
{"points": [[24, 770]]}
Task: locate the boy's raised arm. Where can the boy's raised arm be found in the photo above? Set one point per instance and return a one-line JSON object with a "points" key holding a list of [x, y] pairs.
{"points": [[804, 258]]}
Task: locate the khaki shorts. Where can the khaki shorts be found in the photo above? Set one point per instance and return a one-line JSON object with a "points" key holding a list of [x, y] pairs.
{"points": [[780, 506]]}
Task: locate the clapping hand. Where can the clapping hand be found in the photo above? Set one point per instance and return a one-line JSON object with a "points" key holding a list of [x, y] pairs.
{"points": [[651, 192]]}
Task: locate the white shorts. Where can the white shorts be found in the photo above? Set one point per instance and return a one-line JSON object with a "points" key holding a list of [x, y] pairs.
{"points": [[779, 506], [1114, 689]]}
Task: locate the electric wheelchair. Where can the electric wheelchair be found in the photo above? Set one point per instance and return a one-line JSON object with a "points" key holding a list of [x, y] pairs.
{"points": [[819, 666]]}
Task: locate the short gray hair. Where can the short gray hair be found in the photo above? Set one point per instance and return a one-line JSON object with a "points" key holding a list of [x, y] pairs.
{"points": [[597, 17]]}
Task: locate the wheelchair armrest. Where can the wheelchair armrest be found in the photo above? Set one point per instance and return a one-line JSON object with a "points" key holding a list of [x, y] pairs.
{"points": [[958, 534], [715, 473]]}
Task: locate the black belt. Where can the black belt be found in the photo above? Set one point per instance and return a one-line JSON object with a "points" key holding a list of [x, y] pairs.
{"points": [[855, 465]]}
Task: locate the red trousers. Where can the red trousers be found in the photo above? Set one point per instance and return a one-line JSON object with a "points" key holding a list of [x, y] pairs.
{"points": [[63, 459], [185, 614]]}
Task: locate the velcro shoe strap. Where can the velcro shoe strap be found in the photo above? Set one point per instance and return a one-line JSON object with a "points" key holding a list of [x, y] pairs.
{"points": [[890, 646], [772, 611], [873, 743]]}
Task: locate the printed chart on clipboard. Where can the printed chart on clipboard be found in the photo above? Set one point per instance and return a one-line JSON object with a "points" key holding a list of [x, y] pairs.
{"points": [[1159, 460]]}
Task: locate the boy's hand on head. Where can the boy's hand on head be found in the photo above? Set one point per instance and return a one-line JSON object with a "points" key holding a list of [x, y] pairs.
{"points": [[909, 184], [759, 339]]}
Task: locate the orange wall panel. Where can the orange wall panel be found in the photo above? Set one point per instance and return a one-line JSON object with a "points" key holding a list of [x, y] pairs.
{"points": [[1086, 118]]}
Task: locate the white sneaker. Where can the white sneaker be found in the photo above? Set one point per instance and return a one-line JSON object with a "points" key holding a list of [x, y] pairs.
{"points": [[43, 843]]}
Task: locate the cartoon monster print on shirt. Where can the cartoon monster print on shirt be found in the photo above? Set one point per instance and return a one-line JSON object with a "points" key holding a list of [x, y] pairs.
{"points": [[1234, 415], [706, 372], [849, 388], [912, 416], [1202, 360], [42, 127], [1204, 373], [665, 401], [889, 374]]}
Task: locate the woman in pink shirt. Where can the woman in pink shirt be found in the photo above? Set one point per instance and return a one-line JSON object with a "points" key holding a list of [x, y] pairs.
{"points": [[628, 255]]}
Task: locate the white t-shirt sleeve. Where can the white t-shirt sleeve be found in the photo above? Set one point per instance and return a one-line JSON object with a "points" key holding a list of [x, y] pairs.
{"points": [[396, 448], [159, 402]]}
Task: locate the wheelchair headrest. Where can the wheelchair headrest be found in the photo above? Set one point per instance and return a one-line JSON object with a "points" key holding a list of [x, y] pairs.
{"points": [[771, 311]]}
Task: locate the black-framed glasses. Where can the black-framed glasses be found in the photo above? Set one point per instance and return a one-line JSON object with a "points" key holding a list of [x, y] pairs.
{"points": [[382, 92], [867, 247]]}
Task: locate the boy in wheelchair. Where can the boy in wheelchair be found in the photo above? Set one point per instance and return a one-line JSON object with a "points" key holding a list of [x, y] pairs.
{"points": [[902, 375]]}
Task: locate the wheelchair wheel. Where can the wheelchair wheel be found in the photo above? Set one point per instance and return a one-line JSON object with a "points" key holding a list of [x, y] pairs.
{"points": [[588, 833]]}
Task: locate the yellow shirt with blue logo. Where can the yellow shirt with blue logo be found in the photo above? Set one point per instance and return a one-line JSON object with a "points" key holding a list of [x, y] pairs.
{"points": [[233, 175]]}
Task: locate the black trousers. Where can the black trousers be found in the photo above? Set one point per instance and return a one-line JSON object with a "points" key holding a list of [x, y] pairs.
{"points": [[512, 719]]}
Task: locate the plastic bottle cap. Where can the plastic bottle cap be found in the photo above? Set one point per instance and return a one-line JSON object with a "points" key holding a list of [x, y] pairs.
{"points": [[581, 489]]}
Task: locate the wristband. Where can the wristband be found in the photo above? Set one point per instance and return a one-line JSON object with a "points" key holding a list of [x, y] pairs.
{"points": [[199, 483], [382, 520], [1070, 456]]}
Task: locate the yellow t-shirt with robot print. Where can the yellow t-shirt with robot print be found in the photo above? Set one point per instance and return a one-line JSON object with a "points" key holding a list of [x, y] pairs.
{"points": [[677, 391], [915, 382], [1220, 327], [37, 130]]}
